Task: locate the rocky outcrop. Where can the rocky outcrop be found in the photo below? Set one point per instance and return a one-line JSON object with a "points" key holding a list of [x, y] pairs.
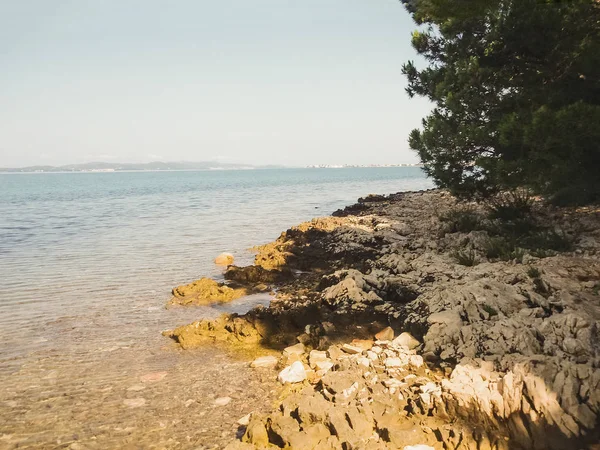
{"points": [[501, 354]]}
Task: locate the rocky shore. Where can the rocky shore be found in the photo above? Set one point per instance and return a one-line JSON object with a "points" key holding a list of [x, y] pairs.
{"points": [[406, 321]]}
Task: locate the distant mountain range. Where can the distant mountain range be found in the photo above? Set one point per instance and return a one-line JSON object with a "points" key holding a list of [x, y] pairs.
{"points": [[120, 167]]}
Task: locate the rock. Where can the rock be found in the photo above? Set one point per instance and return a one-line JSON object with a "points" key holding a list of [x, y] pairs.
{"points": [[256, 433], [297, 350], [292, 374], [387, 334], [393, 363], [244, 421], [268, 362], [364, 344], [222, 401], [254, 275], [406, 340], [352, 349], [335, 352], [418, 447], [134, 402], [224, 259], [203, 292]]}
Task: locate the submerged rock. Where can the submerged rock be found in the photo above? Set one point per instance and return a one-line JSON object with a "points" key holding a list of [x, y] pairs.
{"points": [[205, 291]]}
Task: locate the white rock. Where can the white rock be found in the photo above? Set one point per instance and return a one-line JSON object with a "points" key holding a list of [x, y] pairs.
{"points": [[372, 356], [366, 362], [264, 361], [244, 421], [393, 362], [406, 340], [222, 401], [292, 374], [418, 447], [416, 361]]}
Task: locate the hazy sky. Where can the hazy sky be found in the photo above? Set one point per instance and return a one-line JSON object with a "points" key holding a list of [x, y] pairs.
{"points": [[261, 81]]}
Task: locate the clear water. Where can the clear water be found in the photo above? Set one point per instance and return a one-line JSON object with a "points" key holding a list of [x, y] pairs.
{"points": [[87, 261]]}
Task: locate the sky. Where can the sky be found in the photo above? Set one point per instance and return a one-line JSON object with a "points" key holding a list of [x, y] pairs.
{"points": [[255, 82]]}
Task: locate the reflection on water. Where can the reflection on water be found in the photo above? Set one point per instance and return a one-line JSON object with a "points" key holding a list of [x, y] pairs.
{"points": [[86, 265]]}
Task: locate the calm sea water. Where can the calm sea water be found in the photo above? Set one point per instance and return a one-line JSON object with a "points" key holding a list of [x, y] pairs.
{"points": [[87, 260]]}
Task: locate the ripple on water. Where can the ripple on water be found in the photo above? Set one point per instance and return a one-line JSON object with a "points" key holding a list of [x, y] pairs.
{"points": [[87, 262]]}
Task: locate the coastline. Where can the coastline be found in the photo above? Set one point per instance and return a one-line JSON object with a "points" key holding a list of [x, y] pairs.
{"points": [[488, 356]]}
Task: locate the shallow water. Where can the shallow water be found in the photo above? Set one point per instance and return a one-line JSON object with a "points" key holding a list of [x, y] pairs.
{"points": [[86, 265]]}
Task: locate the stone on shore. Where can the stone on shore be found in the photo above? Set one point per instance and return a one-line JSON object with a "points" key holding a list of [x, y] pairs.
{"points": [[268, 362], [224, 259], [352, 349], [387, 334], [292, 374], [294, 350], [222, 401], [406, 340]]}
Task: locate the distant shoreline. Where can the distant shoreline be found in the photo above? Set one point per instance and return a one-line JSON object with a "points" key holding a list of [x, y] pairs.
{"points": [[216, 169]]}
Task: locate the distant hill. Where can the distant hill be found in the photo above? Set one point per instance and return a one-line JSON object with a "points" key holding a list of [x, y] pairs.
{"points": [[119, 167]]}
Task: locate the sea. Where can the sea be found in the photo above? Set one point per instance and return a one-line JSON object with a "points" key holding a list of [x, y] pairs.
{"points": [[87, 263]]}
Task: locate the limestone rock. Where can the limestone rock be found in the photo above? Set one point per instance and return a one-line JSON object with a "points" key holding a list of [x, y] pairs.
{"points": [[293, 374], [264, 362], [294, 350], [387, 334], [352, 349], [224, 259], [406, 340]]}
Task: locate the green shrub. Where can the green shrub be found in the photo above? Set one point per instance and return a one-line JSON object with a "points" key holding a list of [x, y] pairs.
{"points": [[545, 240], [510, 206], [534, 272], [465, 258], [503, 249], [461, 220]]}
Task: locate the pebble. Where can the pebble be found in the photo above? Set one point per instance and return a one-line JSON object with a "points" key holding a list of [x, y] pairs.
{"points": [[222, 401], [136, 388], [134, 402], [244, 421]]}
